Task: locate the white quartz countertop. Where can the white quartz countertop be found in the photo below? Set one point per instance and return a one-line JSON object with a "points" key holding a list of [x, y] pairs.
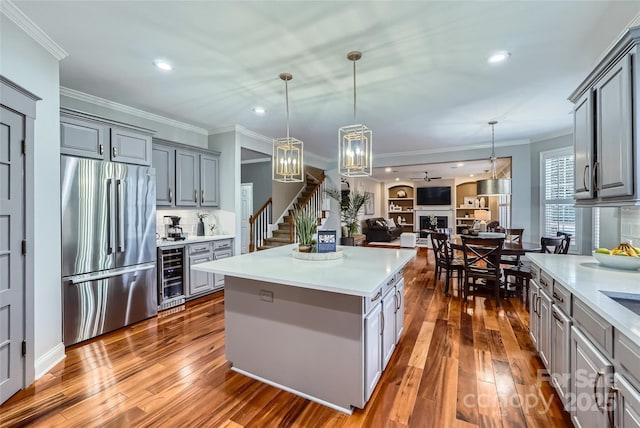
{"points": [[192, 240], [584, 277], [359, 272]]}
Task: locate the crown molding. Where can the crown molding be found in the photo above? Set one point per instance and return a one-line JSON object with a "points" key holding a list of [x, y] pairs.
{"points": [[92, 99], [552, 135], [452, 149], [259, 160], [12, 12]]}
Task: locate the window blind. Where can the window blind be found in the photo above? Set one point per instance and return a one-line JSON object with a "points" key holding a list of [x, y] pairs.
{"points": [[558, 211]]}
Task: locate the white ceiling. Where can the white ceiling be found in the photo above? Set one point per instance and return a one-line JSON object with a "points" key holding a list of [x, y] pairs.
{"points": [[469, 170], [423, 82]]}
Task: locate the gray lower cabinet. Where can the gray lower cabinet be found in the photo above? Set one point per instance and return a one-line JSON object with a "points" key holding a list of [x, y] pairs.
{"points": [[626, 412], [92, 138], [560, 362], [186, 177], [591, 379], [534, 317], [544, 328], [399, 308], [221, 250], [199, 282]]}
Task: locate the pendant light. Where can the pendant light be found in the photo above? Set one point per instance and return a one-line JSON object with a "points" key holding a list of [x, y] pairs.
{"points": [[354, 141], [287, 152], [493, 186]]}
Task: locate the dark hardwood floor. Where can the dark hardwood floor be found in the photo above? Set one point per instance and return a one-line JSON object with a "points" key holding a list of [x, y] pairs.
{"points": [[457, 365]]}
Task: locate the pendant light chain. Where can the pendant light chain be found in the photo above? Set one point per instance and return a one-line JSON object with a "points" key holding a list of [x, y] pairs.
{"points": [[286, 97], [354, 91], [493, 150]]}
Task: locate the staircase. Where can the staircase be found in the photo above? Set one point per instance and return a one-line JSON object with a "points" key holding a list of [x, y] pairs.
{"points": [[284, 235]]}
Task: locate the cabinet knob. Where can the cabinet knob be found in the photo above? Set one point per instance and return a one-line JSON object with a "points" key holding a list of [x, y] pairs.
{"points": [[101, 149], [195, 196], [595, 176], [170, 195], [201, 196], [115, 152], [584, 177]]}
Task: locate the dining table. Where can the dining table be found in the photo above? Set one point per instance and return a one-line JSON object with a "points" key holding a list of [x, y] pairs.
{"points": [[509, 248]]}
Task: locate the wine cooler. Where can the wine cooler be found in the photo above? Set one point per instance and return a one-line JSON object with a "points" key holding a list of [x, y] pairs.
{"points": [[170, 277]]}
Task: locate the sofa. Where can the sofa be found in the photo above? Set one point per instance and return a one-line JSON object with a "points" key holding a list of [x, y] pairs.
{"points": [[377, 230]]}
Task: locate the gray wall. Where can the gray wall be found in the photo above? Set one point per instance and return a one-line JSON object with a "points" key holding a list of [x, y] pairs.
{"points": [[29, 65], [258, 173]]}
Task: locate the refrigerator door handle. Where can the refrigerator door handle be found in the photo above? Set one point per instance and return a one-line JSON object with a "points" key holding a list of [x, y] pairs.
{"points": [[109, 219], [79, 279], [120, 218]]}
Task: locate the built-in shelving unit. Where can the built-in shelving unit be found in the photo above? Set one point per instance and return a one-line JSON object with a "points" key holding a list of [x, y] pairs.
{"points": [[402, 206]]}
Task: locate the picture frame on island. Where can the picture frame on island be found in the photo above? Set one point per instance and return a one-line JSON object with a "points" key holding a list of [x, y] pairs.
{"points": [[326, 241]]}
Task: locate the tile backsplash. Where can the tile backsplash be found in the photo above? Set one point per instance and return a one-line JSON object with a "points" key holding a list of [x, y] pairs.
{"points": [[224, 221], [630, 224]]}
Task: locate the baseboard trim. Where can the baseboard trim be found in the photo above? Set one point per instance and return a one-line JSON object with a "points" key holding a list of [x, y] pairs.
{"points": [[46, 362]]}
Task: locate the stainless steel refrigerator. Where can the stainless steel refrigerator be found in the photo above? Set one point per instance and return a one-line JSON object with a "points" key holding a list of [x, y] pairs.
{"points": [[108, 246]]}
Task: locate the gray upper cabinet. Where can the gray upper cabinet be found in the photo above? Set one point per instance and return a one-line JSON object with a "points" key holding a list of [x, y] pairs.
{"points": [[607, 164], [209, 182], [185, 177], [130, 147], [614, 137], [583, 146], [83, 138], [187, 185], [87, 136], [163, 160]]}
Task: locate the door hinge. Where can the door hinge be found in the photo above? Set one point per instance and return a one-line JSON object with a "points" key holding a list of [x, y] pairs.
{"points": [[24, 247], [24, 147], [24, 348]]}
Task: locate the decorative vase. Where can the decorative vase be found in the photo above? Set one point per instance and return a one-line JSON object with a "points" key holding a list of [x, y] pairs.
{"points": [[482, 202], [200, 229], [304, 248], [477, 203]]}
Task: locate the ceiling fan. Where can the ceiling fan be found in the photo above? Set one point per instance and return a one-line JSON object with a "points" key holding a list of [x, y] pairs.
{"points": [[426, 177]]}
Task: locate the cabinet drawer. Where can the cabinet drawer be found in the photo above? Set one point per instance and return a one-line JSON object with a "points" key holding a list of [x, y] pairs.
{"points": [[545, 281], [561, 297], [373, 300], [628, 355], [222, 244], [223, 254], [593, 324], [535, 274], [200, 248]]}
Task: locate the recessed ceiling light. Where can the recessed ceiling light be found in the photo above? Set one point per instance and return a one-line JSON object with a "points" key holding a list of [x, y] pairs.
{"points": [[460, 164], [470, 175], [258, 110], [397, 179], [387, 169], [499, 57], [163, 65]]}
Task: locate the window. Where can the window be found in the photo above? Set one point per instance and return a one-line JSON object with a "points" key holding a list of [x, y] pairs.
{"points": [[558, 213]]}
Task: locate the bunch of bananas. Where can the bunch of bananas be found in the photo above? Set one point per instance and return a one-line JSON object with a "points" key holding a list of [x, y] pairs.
{"points": [[624, 249]]}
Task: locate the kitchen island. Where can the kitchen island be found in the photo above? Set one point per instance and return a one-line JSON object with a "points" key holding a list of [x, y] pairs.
{"points": [[323, 330]]}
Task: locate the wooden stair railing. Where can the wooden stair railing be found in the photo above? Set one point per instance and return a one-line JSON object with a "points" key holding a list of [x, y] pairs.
{"points": [[259, 225], [313, 202]]}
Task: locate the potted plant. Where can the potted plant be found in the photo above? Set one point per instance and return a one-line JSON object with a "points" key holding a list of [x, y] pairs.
{"points": [[306, 224], [201, 216], [350, 205]]}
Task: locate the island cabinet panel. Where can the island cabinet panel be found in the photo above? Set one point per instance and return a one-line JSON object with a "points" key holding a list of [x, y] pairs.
{"points": [[594, 325], [534, 318], [372, 354], [544, 328], [388, 326], [309, 342], [399, 309]]}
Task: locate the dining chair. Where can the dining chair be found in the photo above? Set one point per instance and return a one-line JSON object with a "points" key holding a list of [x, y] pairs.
{"points": [[565, 244], [446, 261], [514, 236], [553, 245], [482, 263]]}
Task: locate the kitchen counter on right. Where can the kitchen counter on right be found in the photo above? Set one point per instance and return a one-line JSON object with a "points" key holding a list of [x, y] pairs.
{"points": [[585, 278]]}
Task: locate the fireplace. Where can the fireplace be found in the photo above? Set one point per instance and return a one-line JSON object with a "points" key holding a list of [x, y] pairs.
{"points": [[444, 219]]}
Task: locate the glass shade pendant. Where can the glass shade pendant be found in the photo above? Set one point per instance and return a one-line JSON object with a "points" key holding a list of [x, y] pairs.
{"points": [[355, 141], [493, 186], [287, 159]]}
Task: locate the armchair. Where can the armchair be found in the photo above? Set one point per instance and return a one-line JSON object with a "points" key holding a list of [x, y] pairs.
{"points": [[377, 230]]}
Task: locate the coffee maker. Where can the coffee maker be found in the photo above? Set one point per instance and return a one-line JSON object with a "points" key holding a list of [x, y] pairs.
{"points": [[172, 229]]}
